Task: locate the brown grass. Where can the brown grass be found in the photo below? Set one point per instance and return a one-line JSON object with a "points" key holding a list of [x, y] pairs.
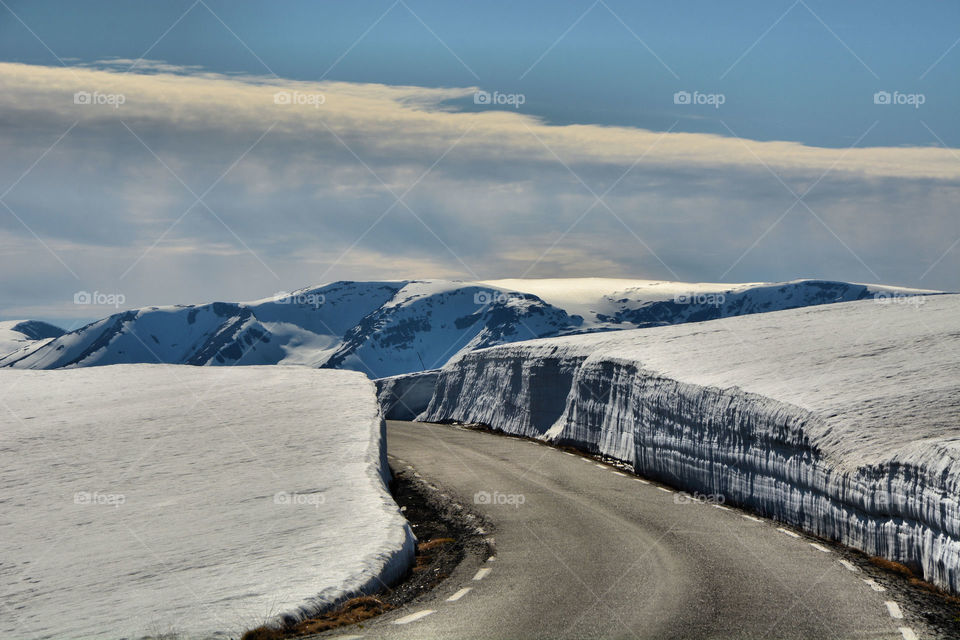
{"points": [[895, 567], [350, 612], [432, 544]]}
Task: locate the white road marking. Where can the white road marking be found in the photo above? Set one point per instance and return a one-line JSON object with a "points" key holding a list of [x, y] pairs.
{"points": [[568, 454], [894, 610], [641, 480], [664, 489], [482, 573], [908, 633], [602, 466], [721, 507], [346, 637], [585, 459], [849, 565], [413, 617], [621, 474], [820, 547], [751, 518], [873, 585], [459, 594], [788, 532]]}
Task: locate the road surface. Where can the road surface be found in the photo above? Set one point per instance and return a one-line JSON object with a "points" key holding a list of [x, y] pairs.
{"points": [[585, 551]]}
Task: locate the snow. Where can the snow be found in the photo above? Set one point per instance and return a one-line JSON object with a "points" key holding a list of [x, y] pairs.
{"points": [[387, 328], [18, 334], [841, 419], [148, 499], [405, 396]]}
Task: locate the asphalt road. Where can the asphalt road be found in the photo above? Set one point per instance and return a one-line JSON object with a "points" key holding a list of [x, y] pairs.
{"points": [[584, 551]]}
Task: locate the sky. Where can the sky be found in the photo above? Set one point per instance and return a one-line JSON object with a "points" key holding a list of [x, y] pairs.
{"points": [[181, 152]]}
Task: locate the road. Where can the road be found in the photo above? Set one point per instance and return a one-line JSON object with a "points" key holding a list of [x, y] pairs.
{"points": [[584, 551]]}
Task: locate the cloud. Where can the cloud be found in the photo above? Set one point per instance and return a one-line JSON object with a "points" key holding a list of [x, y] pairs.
{"points": [[178, 185]]}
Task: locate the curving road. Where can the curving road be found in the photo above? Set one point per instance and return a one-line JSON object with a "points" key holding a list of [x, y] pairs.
{"points": [[594, 553]]}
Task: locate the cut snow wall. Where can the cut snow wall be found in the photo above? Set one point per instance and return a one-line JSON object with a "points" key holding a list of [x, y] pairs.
{"points": [[751, 449], [389, 565], [405, 396]]}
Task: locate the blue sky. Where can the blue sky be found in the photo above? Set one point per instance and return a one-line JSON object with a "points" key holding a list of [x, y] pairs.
{"points": [[259, 199], [803, 73]]}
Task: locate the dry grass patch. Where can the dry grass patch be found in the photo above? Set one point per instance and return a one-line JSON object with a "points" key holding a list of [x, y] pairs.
{"points": [[350, 612]]}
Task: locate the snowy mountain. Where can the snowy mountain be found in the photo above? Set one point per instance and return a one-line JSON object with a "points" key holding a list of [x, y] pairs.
{"points": [[390, 328], [840, 419], [17, 334]]}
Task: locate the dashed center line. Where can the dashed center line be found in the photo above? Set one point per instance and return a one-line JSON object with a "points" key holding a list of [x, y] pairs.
{"points": [[873, 585], [459, 594], [788, 532], [908, 633], [482, 573], [413, 617], [749, 517], [894, 609], [849, 565], [820, 547]]}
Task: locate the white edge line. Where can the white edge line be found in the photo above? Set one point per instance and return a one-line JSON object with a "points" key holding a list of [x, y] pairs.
{"points": [[788, 532], [721, 507], [413, 617], [820, 547], [749, 517], [894, 609], [849, 565], [459, 594]]}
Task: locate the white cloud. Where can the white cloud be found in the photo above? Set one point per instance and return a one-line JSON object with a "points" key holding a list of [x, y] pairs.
{"points": [[303, 195]]}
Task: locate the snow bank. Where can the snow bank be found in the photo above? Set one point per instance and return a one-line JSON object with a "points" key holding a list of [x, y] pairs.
{"points": [[147, 499], [405, 396], [841, 419]]}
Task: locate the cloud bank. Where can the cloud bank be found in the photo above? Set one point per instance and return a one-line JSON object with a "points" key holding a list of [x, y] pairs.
{"points": [[176, 185]]}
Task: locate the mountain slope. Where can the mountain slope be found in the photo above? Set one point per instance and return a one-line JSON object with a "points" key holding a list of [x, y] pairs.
{"points": [[390, 328], [18, 334]]}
